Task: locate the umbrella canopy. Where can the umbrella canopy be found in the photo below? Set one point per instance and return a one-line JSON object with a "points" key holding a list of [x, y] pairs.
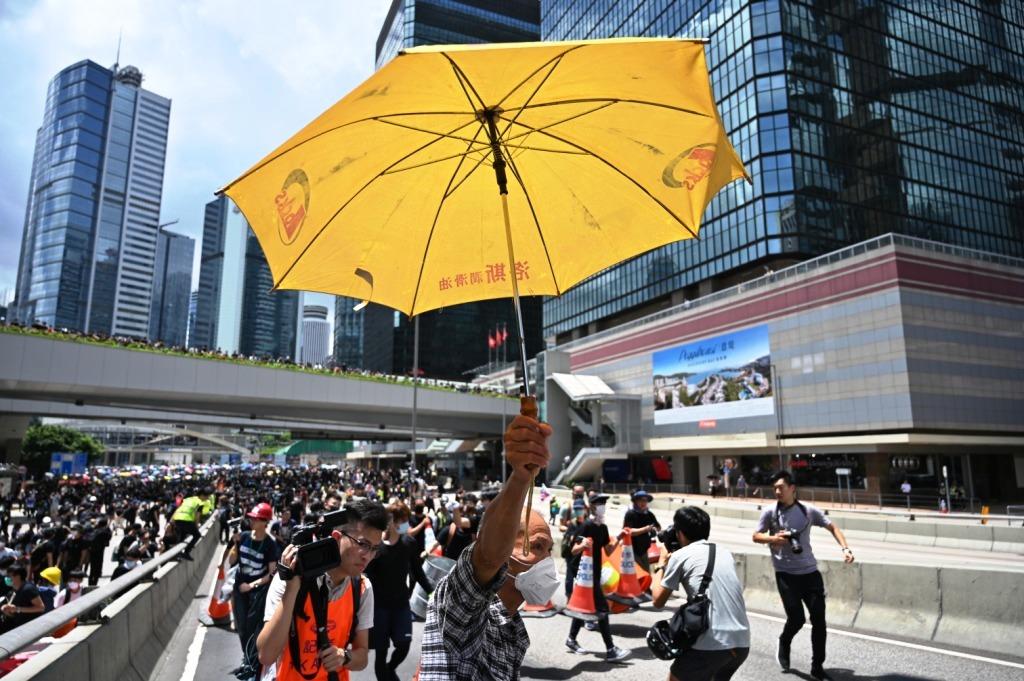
{"points": [[613, 148]]}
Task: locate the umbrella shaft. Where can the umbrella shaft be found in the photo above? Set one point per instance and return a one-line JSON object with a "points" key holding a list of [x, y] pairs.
{"points": [[515, 295], [499, 160]]}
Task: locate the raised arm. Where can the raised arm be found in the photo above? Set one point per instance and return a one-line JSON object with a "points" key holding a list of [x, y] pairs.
{"points": [[526, 451]]}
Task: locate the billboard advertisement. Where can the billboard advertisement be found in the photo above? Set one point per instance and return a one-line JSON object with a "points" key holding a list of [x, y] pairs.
{"points": [[723, 377]]}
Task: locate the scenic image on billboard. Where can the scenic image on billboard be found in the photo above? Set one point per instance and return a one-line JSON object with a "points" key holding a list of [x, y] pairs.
{"points": [[727, 376]]}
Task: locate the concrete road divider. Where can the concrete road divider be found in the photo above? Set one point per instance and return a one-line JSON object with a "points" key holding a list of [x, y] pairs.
{"points": [[983, 610], [1008, 539], [138, 627], [899, 599], [844, 588]]}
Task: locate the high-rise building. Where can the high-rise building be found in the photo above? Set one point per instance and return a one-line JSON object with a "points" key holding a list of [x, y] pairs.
{"points": [[363, 338], [193, 304], [854, 119], [221, 276], [447, 22], [270, 319], [429, 22], [91, 220], [316, 335], [172, 281]]}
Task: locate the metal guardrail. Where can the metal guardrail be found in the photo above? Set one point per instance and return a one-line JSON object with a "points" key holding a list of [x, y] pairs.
{"points": [[44, 625]]}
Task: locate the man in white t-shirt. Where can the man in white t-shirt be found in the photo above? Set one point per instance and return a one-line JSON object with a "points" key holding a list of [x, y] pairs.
{"points": [[720, 650]]}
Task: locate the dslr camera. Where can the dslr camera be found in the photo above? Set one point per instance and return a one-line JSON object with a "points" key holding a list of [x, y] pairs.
{"points": [[794, 541], [318, 549], [669, 539]]}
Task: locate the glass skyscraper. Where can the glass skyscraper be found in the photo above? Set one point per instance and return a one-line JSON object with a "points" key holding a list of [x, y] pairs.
{"points": [[363, 339], [91, 220], [172, 284], [431, 22], [854, 119], [270, 319]]}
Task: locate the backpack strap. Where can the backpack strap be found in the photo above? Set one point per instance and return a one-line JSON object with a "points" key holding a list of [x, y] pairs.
{"points": [[357, 596], [298, 612], [705, 581]]}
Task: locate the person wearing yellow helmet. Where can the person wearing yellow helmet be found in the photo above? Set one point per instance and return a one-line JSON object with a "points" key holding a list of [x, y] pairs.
{"points": [[48, 586]]}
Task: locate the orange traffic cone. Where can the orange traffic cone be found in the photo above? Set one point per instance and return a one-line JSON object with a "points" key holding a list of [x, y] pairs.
{"points": [[629, 589], [547, 610], [581, 603], [65, 629], [218, 613], [653, 554]]}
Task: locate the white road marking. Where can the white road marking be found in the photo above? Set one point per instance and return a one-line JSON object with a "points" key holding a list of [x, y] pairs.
{"points": [[195, 649], [902, 644]]}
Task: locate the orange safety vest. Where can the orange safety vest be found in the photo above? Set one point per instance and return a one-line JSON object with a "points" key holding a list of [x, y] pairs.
{"points": [[339, 625]]}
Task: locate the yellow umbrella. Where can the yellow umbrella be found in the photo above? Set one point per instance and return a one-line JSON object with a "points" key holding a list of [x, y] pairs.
{"points": [[601, 150]]}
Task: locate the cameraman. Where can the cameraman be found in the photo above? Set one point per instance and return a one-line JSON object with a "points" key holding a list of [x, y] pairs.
{"points": [[359, 540], [786, 529], [720, 650]]}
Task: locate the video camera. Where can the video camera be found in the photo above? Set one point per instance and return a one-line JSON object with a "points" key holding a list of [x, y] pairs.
{"points": [[318, 549], [669, 539]]}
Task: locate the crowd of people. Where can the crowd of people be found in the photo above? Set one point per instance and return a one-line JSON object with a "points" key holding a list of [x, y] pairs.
{"points": [[275, 523], [329, 368]]}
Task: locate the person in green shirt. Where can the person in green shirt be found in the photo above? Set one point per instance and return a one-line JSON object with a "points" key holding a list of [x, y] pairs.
{"points": [[188, 516]]}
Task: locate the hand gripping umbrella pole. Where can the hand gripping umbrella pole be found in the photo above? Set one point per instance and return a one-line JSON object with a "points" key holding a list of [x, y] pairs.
{"points": [[527, 402]]}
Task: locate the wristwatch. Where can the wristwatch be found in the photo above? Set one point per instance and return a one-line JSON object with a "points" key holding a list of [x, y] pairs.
{"points": [[348, 657]]}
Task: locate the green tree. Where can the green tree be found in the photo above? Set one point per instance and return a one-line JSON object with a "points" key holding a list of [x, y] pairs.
{"points": [[41, 441]]}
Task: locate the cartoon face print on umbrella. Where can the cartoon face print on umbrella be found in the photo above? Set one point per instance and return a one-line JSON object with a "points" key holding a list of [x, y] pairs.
{"points": [[696, 163], [292, 205]]}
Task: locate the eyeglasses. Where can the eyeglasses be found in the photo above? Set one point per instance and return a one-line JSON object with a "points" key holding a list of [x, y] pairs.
{"points": [[364, 546]]}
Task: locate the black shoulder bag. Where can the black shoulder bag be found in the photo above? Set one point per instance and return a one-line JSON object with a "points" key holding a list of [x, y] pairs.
{"points": [[668, 639]]}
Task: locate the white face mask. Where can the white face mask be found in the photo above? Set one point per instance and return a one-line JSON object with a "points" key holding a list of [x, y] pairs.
{"points": [[74, 586], [599, 513], [539, 583]]}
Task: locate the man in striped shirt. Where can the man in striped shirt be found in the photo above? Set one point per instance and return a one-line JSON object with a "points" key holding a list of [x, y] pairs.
{"points": [[256, 555]]}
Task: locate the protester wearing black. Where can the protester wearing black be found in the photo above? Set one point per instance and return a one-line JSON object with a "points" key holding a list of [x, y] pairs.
{"points": [[25, 604], [98, 543], [224, 520], [256, 555], [642, 525], [457, 535], [397, 561], [75, 550]]}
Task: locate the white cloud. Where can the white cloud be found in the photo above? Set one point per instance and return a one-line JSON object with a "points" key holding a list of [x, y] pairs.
{"points": [[242, 77]]}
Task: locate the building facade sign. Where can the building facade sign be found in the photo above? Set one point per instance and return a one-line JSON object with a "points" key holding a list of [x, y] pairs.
{"points": [[722, 377]]}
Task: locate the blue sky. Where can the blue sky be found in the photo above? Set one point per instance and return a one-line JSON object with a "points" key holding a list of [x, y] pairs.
{"points": [[242, 75]]}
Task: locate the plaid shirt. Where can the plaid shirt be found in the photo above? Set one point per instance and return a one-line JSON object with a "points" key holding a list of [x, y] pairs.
{"points": [[469, 635]]}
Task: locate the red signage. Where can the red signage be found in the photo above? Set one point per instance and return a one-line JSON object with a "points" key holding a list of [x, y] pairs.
{"points": [[707, 424]]}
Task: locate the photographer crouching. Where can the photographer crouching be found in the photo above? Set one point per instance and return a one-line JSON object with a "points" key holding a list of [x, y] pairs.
{"points": [[320, 609], [703, 569]]}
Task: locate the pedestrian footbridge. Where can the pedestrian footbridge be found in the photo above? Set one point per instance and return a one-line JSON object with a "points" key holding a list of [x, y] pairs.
{"points": [[40, 376]]}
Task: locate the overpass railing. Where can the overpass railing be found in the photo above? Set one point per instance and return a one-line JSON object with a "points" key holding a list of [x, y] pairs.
{"points": [[29, 633]]}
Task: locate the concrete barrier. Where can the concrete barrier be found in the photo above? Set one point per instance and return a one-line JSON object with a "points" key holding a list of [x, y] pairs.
{"points": [[983, 610], [139, 625], [977, 537], [1008, 539], [898, 599], [844, 590], [910, 532]]}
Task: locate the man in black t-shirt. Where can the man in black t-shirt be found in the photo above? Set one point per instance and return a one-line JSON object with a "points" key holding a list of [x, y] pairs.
{"points": [[457, 535], [25, 604], [75, 550], [44, 554], [642, 525]]}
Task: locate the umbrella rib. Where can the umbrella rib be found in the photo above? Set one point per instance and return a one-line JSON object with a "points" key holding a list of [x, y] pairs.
{"points": [[440, 135], [613, 100], [536, 221], [353, 198], [557, 57], [481, 146], [554, 65], [380, 118], [433, 225], [531, 130], [464, 80], [619, 171]]}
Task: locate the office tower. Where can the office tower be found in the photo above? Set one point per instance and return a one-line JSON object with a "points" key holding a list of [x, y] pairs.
{"points": [[854, 119], [172, 281], [193, 303], [270, 319], [465, 327], [92, 216], [221, 273], [316, 335], [364, 338]]}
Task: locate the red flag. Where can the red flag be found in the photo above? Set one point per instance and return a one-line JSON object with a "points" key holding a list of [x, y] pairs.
{"points": [[504, 334], [491, 342]]}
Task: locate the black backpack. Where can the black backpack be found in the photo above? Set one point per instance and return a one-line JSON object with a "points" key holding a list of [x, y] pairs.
{"points": [[668, 639]]}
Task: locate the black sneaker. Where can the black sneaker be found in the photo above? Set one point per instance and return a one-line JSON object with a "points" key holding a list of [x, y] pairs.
{"points": [[782, 655], [616, 654], [818, 672], [591, 626], [572, 645]]}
